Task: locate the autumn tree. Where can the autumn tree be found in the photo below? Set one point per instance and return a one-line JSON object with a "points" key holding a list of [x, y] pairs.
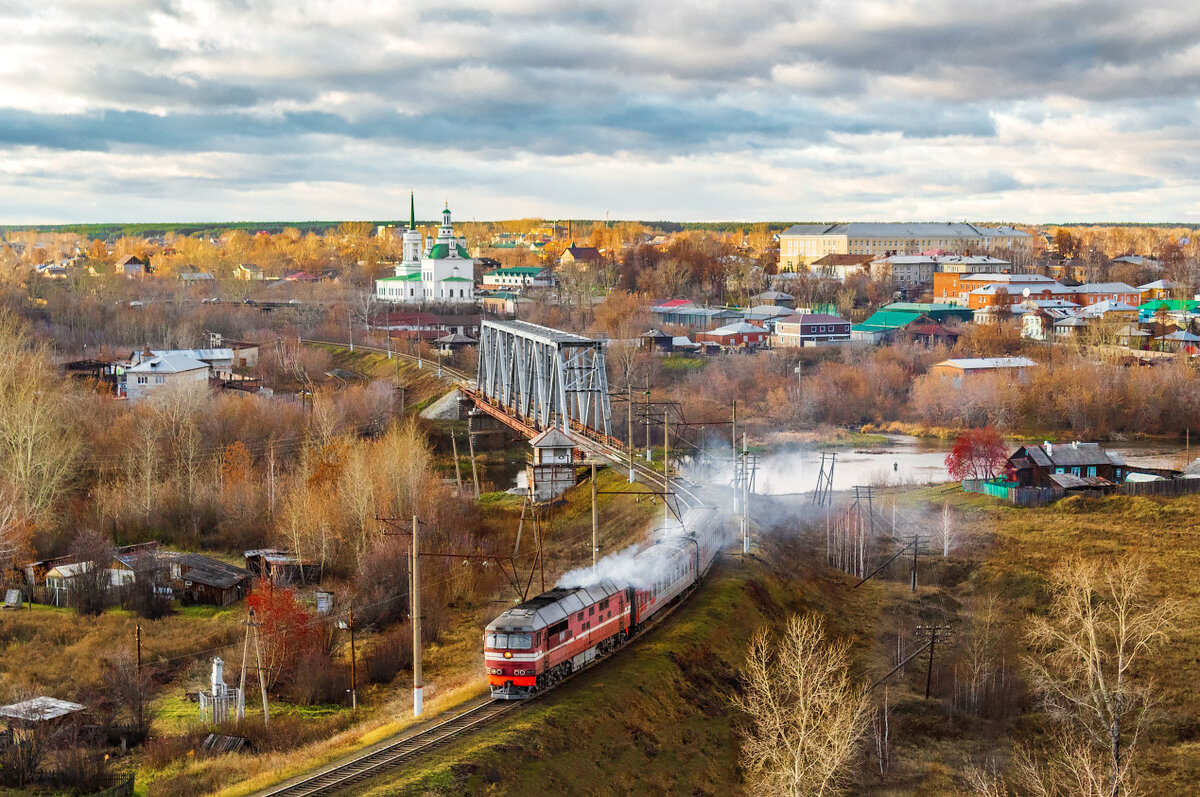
{"points": [[805, 717], [1102, 624], [287, 631], [977, 454], [38, 443]]}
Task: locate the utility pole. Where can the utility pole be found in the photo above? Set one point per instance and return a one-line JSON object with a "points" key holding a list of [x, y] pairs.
{"points": [[666, 467], [353, 666], [932, 631], [629, 432], [916, 543], [595, 524], [646, 415], [241, 706], [733, 448], [745, 497], [457, 465], [137, 637], [418, 686], [474, 468], [929, 668], [252, 625], [350, 325]]}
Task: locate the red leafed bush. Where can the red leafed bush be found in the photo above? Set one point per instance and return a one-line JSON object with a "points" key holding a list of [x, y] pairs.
{"points": [[977, 454], [287, 632]]}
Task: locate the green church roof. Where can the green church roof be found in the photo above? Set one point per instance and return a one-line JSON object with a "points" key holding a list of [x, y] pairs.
{"points": [[401, 278], [458, 279], [442, 251]]}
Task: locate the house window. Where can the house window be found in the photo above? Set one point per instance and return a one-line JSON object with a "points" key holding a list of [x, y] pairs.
{"points": [[1091, 471], [1060, 470], [141, 380], [158, 380], [1074, 471]]}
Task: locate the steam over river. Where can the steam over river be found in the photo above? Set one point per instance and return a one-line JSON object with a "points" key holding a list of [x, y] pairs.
{"points": [[901, 460]]}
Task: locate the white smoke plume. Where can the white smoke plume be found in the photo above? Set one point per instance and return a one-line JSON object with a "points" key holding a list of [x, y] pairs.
{"points": [[622, 568]]}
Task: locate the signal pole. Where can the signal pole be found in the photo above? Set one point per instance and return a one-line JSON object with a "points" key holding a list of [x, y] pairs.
{"points": [[418, 685]]}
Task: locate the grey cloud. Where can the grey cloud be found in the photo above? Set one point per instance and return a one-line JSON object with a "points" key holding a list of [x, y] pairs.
{"points": [[511, 80]]}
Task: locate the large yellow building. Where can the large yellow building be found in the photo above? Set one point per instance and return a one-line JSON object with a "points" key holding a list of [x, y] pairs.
{"points": [[801, 244]]}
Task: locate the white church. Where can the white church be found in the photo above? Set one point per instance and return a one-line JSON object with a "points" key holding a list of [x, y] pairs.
{"points": [[433, 271]]}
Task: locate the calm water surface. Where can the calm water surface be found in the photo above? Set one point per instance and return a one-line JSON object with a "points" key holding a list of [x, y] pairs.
{"points": [[901, 460]]}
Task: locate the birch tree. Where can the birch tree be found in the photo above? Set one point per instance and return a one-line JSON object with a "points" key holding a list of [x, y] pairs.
{"points": [[1102, 623], [38, 444], [806, 718]]}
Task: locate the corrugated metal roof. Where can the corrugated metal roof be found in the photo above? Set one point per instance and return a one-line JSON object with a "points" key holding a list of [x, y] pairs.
{"points": [[168, 364], [1072, 455], [39, 709], [981, 363], [552, 438], [211, 572], [736, 328], [883, 320]]}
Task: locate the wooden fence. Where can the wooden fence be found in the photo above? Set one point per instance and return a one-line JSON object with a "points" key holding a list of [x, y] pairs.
{"points": [[122, 789], [1011, 492], [1038, 496], [1165, 489]]}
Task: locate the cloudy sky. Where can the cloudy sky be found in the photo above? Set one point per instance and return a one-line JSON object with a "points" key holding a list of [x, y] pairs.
{"points": [[163, 110]]}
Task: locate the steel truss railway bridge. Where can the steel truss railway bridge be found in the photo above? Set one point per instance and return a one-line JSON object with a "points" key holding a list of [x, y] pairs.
{"points": [[532, 378]]}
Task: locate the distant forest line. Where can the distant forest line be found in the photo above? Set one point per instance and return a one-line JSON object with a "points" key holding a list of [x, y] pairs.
{"points": [[139, 230]]}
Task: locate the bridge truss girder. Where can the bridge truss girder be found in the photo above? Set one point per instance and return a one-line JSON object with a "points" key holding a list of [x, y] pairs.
{"points": [[545, 377]]}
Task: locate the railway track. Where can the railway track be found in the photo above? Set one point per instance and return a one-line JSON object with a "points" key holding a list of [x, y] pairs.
{"points": [[341, 776], [368, 765], [456, 375]]}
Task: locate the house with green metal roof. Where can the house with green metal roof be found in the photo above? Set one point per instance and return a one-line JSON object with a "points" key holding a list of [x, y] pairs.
{"points": [[1170, 307], [435, 271], [885, 323], [939, 312], [520, 277]]}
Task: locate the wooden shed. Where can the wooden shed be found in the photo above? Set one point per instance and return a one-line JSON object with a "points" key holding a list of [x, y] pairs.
{"points": [[197, 578]]}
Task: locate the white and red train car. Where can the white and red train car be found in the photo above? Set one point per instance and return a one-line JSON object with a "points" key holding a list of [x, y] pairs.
{"points": [[534, 645]]}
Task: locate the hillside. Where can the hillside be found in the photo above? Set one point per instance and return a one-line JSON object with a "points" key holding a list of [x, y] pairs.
{"points": [[655, 720]]}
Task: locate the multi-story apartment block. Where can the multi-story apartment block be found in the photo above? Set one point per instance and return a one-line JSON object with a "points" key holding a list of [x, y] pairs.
{"points": [[802, 244]]}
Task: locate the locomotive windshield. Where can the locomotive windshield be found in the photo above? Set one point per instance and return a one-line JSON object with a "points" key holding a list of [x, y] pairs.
{"points": [[510, 641]]}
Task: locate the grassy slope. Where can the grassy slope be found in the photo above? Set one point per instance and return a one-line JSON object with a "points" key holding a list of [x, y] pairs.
{"points": [[653, 719], [453, 666]]}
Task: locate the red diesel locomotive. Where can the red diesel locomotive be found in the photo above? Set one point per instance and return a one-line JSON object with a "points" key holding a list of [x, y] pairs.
{"points": [[533, 646]]}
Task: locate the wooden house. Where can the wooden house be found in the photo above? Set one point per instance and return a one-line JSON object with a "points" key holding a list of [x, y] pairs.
{"points": [[1033, 466]]}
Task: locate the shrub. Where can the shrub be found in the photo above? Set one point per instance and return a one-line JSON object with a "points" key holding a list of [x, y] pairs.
{"points": [[319, 680]]}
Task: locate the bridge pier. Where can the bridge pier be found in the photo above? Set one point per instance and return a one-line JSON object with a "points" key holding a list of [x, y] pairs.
{"points": [[487, 433]]}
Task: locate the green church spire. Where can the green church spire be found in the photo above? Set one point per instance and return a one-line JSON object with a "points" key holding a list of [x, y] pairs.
{"points": [[412, 211]]}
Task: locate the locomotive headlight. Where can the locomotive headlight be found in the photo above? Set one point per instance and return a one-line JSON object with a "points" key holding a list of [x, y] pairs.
{"points": [[508, 654]]}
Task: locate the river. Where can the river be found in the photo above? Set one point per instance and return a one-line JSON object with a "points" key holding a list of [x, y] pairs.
{"points": [[901, 460]]}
